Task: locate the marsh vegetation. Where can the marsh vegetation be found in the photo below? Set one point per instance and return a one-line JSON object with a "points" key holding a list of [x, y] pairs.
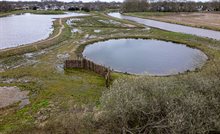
{"points": [[76, 101]]}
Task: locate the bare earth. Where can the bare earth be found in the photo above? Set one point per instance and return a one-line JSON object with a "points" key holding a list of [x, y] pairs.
{"points": [[205, 20], [11, 95]]}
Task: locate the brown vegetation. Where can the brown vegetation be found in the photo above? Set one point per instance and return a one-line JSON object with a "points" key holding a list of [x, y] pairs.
{"points": [[201, 20]]}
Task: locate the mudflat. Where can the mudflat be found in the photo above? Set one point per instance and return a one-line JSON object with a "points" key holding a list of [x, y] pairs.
{"points": [[11, 95]]}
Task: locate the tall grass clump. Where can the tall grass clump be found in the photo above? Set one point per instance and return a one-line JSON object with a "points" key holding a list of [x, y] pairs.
{"points": [[180, 104]]}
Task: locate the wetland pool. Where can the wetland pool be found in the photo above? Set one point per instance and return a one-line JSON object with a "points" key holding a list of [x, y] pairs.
{"points": [[141, 56], [16, 30]]}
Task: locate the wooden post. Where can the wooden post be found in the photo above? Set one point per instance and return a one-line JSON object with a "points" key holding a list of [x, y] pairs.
{"points": [[89, 65]]}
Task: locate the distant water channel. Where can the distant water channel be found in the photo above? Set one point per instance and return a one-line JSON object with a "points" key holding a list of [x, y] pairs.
{"points": [[27, 28], [139, 56], [171, 27]]}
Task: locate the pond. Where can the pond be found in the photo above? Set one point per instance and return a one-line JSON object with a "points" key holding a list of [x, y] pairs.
{"points": [[27, 28], [140, 56], [171, 27]]}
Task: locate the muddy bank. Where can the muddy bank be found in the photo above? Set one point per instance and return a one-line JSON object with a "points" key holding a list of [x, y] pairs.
{"points": [[11, 95]]}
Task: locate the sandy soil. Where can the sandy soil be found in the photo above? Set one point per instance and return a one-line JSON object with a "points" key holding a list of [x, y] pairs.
{"points": [[11, 95], [206, 20]]}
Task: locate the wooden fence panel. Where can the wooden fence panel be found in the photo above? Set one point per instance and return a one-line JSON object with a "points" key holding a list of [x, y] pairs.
{"points": [[89, 65]]}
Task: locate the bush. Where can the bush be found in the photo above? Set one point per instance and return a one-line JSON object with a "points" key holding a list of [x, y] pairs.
{"points": [[134, 6], [86, 9], [161, 105]]}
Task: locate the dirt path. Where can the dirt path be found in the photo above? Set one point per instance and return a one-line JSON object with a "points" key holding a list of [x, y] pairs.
{"points": [[57, 35]]}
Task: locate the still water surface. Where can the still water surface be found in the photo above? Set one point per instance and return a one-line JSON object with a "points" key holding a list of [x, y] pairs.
{"points": [[27, 28], [139, 56], [171, 27]]}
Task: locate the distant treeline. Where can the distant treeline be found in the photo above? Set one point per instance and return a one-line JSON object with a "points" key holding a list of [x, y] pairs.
{"points": [[169, 6], [47, 5], [5, 6], [126, 6]]}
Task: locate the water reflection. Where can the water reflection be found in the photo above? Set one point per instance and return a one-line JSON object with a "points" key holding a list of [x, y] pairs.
{"points": [[140, 56], [171, 27], [27, 28]]}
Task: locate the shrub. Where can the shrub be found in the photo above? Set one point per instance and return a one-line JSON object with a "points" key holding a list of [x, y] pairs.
{"points": [[161, 105]]}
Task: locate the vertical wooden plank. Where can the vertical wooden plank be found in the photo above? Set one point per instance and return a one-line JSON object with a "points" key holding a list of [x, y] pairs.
{"points": [[89, 65]]}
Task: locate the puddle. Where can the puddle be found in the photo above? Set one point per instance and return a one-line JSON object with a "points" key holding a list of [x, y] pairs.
{"points": [[64, 56], [75, 30], [69, 22], [92, 36], [29, 55], [97, 31], [60, 67], [110, 22]]}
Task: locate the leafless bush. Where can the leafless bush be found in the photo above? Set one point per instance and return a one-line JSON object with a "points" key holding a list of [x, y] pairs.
{"points": [[156, 105]]}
